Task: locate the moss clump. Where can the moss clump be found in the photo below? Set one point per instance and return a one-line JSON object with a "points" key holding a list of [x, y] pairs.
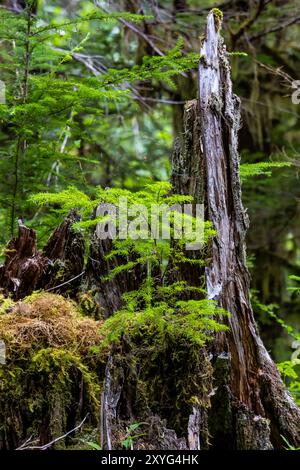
{"points": [[166, 377], [89, 306], [5, 304], [51, 378], [218, 16]]}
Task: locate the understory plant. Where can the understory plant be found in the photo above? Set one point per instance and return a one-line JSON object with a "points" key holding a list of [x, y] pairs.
{"points": [[166, 319], [161, 301], [289, 369], [53, 107]]}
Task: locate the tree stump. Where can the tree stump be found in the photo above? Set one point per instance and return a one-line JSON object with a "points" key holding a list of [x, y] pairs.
{"points": [[250, 407], [57, 267]]}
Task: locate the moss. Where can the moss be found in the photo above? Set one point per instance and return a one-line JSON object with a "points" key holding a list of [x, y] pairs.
{"points": [[6, 303], [89, 306], [163, 378], [51, 378], [218, 16]]}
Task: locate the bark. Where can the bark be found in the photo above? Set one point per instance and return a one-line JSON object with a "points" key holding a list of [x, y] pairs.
{"points": [[194, 429], [106, 294], [250, 408], [57, 267], [109, 402]]}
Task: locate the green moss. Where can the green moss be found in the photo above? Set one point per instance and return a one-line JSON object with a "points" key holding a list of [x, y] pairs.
{"points": [[51, 378], [166, 371], [165, 376], [159, 340], [218, 16], [89, 306], [5, 304]]}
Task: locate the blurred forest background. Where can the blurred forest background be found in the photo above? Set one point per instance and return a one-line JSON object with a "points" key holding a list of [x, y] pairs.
{"points": [[56, 130]]}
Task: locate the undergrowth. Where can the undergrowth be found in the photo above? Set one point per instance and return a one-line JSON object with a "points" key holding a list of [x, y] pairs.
{"points": [[51, 376]]}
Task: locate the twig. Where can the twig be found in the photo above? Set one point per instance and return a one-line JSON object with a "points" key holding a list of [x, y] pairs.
{"points": [[133, 28], [25, 443], [97, 68], [137, 31], [249, 22], [163, 101], [67, 282], [277, 72], [275, 29], [46, 446]]}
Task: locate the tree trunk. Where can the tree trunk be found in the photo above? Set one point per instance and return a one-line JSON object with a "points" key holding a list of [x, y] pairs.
{"points": [[250, 408]]}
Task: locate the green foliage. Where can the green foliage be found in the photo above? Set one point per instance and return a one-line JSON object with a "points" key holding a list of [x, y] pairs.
{"points": [[92, 445], [297, 288], [155, 68], [238, 54], [49, 101], [289, 329], [131, 437], [83, 108], [289, 369], [190, 321], [262, 311], [157, 306], [250, 170], [145, 248]]}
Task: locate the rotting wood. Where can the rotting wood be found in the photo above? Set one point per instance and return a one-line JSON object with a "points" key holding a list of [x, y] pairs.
{"points": [[251, 408], [26, 268]]}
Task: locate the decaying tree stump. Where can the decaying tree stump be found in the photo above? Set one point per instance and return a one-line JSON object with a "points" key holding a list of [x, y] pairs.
{"points": [[249, 405], [250, 408], [57, 267]]}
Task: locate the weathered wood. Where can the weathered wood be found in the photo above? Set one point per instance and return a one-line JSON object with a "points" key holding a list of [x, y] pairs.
{"points": [[188, 172], [24, 265], [194, 429], [252, 369], [109, 403], [65, 249], [250, 407], [27, 269], [107, 294]]}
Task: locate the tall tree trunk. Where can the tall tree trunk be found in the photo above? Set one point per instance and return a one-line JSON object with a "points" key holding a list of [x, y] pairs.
{"points": [[250, 408]]}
